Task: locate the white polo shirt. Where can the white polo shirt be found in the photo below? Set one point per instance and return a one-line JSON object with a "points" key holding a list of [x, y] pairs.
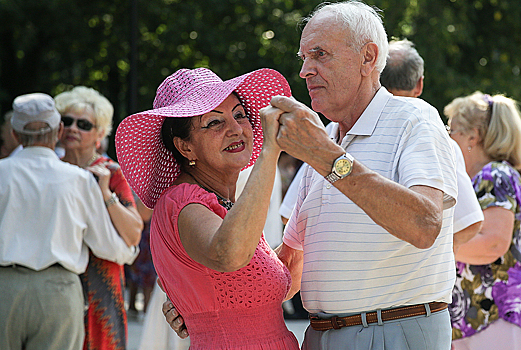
{"points": [[352, 264]]}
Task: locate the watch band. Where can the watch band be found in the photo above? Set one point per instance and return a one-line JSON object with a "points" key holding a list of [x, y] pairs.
{"points": [[332, 177]]}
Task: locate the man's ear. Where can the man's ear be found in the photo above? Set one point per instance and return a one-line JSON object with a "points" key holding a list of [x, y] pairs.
{"points": [[418, 89], [184, 148], [369, 54]]}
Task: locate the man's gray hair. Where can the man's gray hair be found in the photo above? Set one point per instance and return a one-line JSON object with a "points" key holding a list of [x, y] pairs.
{"points": [[362, 22], [404, 66], [50, 138]]}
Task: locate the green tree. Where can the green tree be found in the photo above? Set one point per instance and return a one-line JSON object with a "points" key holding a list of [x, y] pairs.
{"points": [[51, 45]]}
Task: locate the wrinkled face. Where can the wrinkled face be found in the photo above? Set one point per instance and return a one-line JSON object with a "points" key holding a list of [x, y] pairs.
{"points": [[222, 139], [331, 68], [74, 136]]}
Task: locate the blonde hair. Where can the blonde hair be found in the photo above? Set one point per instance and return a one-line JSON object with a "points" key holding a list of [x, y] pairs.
{"points": [[82, 98], [497, 120]]}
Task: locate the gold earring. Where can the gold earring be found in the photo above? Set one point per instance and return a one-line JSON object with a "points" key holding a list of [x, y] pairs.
{"points": [[191, 163]]}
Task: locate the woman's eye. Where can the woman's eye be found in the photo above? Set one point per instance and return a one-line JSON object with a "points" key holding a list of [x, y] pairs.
{"points": [[212, 123]]}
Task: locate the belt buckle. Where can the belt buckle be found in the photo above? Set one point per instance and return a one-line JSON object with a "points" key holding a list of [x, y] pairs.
{"points": [[337, 322]]}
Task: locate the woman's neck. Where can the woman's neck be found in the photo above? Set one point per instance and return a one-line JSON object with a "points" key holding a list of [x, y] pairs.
{"points": [[224, 186], [83, 159], [477, 160]]}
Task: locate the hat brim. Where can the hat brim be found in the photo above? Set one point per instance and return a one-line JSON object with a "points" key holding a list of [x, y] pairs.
{"points": [[149, 167]]}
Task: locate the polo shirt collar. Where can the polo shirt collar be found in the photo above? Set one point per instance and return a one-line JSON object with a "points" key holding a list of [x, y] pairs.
{"points": [[366, 124]]}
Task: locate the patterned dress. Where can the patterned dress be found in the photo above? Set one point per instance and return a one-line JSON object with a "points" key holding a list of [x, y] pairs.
{"points": [[239, 310], [484, 293], [103, 285]]}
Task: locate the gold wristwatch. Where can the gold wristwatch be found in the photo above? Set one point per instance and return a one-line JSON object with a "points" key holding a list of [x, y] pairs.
{"points": [[342, 167]]}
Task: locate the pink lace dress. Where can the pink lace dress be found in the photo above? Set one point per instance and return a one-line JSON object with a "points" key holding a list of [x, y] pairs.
{"points": [[235, 310]]}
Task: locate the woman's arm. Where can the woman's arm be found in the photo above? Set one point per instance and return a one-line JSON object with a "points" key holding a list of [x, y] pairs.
{"points": [[492, 242], [294, 261], [229, 244], [126, 220]]}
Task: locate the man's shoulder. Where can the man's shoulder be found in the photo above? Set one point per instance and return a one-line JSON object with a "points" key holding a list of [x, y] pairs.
{"points": [[413, 104], [74, 171], [412, 111]]}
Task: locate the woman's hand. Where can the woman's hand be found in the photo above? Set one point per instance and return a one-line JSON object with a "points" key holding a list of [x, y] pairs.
{"points": [[270, 127], [126, 220], [174, 319], [102, 173]]}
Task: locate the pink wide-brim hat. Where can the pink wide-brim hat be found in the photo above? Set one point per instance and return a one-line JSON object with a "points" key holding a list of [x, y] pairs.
{"points": [[146, 164]]}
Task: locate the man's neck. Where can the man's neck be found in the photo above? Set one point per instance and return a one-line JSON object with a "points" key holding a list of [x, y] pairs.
{"points": [[356, 112]]}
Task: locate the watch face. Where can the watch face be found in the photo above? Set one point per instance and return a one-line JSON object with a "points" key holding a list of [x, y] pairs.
{"points": [[343, 167]]}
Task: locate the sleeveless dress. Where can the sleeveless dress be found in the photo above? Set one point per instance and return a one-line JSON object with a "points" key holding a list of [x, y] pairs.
{"points": [[104, 284], [238, 310], [483, 294]]}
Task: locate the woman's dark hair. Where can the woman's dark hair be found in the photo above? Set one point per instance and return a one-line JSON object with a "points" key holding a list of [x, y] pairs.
{"points": [[176, 127]]}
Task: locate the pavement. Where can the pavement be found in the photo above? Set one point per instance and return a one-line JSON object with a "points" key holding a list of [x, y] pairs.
{"points": [[135, 328]]}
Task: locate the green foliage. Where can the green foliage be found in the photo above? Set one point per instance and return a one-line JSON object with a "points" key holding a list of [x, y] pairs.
{"points": [[52, 45]]}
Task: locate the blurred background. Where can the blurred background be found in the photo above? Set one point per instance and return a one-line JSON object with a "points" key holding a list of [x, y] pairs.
{"points": [[125, 48]]}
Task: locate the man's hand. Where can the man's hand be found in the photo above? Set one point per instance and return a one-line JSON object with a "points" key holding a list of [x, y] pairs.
{"points": [[303, 135], [174, 319]]}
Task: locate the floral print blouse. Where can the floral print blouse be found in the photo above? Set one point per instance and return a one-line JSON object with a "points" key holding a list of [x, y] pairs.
{"points": [[484, 293]]}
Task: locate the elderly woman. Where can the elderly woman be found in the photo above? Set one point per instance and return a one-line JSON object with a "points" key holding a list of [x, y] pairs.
{"points": [[87, 117], [486, 307], [183, 158]]}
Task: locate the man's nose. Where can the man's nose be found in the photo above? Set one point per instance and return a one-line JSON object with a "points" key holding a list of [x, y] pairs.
{"points": [[308, 69]]}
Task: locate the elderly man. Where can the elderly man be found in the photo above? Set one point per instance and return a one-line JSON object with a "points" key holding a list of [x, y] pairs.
{"points": [[372, 229], [403, 76], [371, 233], [51, 213]]}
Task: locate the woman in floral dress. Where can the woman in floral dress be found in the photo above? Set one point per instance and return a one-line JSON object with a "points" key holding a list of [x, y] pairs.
{"points": [[486, 305]]}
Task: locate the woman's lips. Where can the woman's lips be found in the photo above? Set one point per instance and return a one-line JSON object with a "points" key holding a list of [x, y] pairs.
{"points": [[235, 147]]}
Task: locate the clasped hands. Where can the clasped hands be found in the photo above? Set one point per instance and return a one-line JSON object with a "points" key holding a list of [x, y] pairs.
{"points": [[293, 126]]}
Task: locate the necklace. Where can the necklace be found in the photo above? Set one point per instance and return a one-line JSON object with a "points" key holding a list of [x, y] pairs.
{"points": [[226, 203], [91, 160]]}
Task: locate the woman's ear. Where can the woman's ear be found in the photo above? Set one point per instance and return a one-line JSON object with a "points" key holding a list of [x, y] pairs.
{"points": [[473, 137], [183, 147], [369, 54]]}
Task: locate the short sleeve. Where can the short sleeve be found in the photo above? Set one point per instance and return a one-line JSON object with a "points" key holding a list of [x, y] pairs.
{"points": [[295, 229], [288, 203], [498, 185], [427, 159], [467, 210]]}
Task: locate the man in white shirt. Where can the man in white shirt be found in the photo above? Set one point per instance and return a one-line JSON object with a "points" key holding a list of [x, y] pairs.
{"points": [[372, 227], [51, 213], [403, 76]]}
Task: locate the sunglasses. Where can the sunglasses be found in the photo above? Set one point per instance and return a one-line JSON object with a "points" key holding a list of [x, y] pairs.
{"points": [[82, 124]]}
